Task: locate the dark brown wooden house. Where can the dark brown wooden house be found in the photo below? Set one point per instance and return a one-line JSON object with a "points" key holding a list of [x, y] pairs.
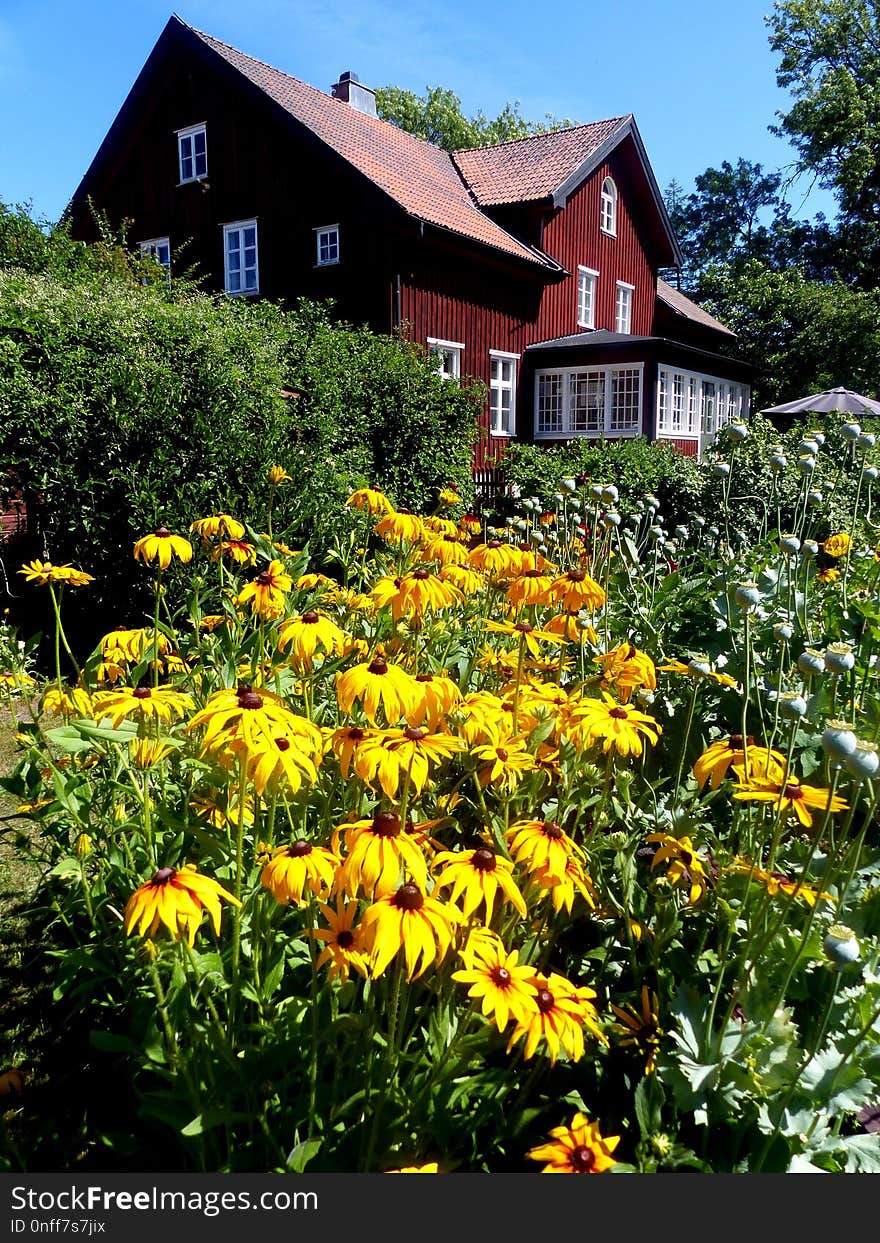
{"points": [[532, 265]]}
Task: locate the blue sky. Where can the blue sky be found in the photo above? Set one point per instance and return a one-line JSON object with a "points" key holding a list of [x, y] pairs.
{"points": [[699, 76]]}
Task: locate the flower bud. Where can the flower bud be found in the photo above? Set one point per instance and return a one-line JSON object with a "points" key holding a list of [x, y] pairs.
{"points": [[83, 845], [838, 740], [841, 946]]}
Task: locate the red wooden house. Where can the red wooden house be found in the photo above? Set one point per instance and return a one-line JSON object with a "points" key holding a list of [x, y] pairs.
{"points": [[532, 265]]}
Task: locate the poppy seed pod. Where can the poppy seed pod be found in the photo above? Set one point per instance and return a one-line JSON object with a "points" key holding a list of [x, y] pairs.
{"points": [[568, 485], [596, 491], [651, 499], [792, 706], [810, 662], [721, 468], [841, 946], [819, 437], [681, 532], [867, 440], [809, 548], [871, 473], [698, 520], [783, 631], [736, 431], [790, 544], [610, 494], [839, 658], [815, 499], [850, 431], [864, 761], [747, 595], [838, 740], [806, 463], [808, 445], [611, 519], [778, 462]]}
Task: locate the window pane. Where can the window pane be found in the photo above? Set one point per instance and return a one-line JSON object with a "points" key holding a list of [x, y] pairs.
{"points": [[550, 403]]}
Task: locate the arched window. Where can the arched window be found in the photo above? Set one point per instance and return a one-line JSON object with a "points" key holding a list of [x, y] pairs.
{"points": [[608, 208]]}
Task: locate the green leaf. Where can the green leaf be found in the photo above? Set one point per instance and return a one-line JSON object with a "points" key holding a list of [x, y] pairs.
{"points": [[299, 1157]]}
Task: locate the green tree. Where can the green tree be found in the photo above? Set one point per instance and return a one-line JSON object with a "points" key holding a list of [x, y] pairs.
{"points": [[438, 117], [830, 63]]}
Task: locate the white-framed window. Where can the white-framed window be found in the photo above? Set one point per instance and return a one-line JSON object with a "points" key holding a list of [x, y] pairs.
{"points": [[240, 258], [327, 245], [691, 405], [623, 307], [502, 393], [447, 357], [192, 149], [586, 309], [588, 401], [158, 248], [608, 208]]}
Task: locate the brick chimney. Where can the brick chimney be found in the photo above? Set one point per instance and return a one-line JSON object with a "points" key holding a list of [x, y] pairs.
{"points": [[351, 91]]}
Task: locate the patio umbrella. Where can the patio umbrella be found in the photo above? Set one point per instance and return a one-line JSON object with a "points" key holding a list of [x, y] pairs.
{"points": [[842, 399]]}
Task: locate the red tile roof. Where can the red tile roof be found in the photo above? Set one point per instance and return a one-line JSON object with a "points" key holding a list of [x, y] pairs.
{"points": [[421, 178], [527, 169], [676, 300]]}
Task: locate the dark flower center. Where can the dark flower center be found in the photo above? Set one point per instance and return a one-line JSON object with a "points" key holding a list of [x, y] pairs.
{"points": [[576, 576], [494, 543], [162, 877], [409, 898], [524, 627], [500, 976], [421, 574], [141, 692], [298, 849], [532, 574], [792, 792], [162, 532], [309, 617], [283, 744], [248, 698], [553, 831], [264, 579], [483, 859], [386, 824], [545, 1000], [378, 666], [501, 753], [355, 734], [582, 1159], [424, 677], [405, 511], [414, 734], [345, 939], [619, 714]]}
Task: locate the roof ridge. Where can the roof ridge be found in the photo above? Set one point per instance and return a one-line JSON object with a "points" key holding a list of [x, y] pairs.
{"points": [[547, 133]]}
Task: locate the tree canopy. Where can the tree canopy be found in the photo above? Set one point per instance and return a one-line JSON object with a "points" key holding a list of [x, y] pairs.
{"points": [[438, 117]]}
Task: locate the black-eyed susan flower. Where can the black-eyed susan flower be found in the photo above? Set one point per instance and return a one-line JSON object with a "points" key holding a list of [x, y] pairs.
{"points": [[562, 1012], [626, 669], [542, 846], [641, 1029], [407, 754], [497, 980], [686, 868], [789, 794], [305, 634], [698, 668], [241, 551], [285, 761], [223, 525], [579, 1148], [343, 941], [430, 1167], [576, 590], [408, 919], [477, 877], [41, 573], [563, 891], [375, 683], [571, 628], [346, 744], [616, 726], [278, 475], [266, 592], [482, 717], [378, 851], [244, 715], [496, 559], [67, 701], [504, 763], [413, 595], [777, 882], [177, 899], [528, 636], [530, 587], [445, 550], [370, 499], [724, 753], [143, 703], [837, 545], [400, 526], [465, 579], [295, 868], [438, 696], [148, 752], [449, 497], [161, 546]]}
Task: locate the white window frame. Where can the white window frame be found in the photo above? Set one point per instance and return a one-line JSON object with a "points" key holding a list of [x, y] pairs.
{"points": [[190, 133], [602, 375], [444, 351], [325, 231], [624, 288], [238, 226], [608, 207], [708, 402], [150, 248], [499, 386], [587, 285]]}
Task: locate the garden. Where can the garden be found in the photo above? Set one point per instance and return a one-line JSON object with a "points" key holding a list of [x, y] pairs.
{"points": [[542, 840]]}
